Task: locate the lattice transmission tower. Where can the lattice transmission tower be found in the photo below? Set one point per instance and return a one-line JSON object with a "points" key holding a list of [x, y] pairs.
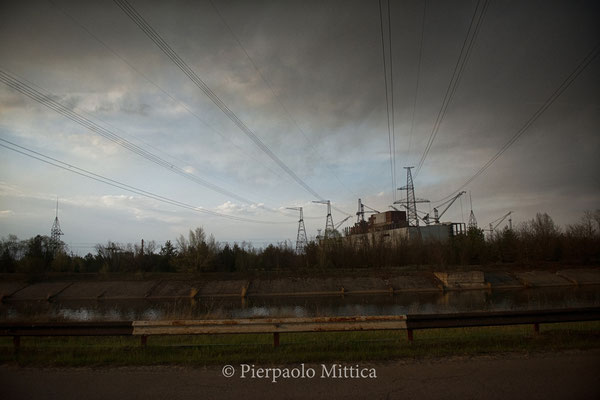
{"points": [[411, 201], [472, 220], [301, 239], [55, 233]]}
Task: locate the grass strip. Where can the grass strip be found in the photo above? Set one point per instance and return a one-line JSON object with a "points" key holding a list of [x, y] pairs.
{"points": [[298, 347]]}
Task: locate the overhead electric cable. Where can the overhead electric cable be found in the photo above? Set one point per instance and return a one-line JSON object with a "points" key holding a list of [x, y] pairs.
{"points": [[276, 96], [416, 96], [281, 103], [166, 93], [392, 96], [591, 56], [387, 102], [48, 101], [123, 186], [464, 55], [189, 72]]}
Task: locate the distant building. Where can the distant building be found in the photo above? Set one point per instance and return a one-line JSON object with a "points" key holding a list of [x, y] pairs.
{"points": [[392, 226]]}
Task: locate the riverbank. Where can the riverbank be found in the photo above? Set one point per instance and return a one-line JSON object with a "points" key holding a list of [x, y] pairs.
{"points": [[159, 287]]}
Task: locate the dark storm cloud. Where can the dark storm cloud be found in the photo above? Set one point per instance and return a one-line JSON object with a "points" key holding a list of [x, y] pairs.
{"points": [[323, 59]]}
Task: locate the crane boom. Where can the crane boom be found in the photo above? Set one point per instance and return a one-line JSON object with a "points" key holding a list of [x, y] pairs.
{"points": [[342, 222], [500, 220], [437, 217]]}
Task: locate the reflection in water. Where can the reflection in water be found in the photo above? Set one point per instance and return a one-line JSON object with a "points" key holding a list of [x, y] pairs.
{"points": [[256, 307]]}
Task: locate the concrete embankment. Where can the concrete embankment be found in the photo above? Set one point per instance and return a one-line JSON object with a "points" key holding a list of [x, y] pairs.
{"points": [[159, 289]]}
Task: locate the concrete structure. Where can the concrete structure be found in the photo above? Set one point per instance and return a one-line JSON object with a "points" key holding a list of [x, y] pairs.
{"points": [[462, 280], [429, 233]]}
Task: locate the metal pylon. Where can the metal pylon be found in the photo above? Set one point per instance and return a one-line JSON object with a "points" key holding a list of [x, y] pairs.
{"points": [[472, 220], [329, 227], [411, 203], [55, 233], [301, 239]]}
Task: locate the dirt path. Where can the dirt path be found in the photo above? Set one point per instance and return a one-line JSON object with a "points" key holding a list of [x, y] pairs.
{"points": [[573, 375]]}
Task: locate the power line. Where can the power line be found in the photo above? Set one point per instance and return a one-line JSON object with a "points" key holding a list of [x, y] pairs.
{"points": [[416, 96], [387, 102], [169, 95], [123, 186], [392, 96], [48, 101], [281, 103], [525, 127], [463, 57], [185, 68], [276, 96]]}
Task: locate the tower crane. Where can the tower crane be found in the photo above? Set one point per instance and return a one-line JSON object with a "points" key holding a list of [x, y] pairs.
{"points": [[360, 214], [329, 228], [342, 222], [425, 218], [436, 215], [498, 221]]}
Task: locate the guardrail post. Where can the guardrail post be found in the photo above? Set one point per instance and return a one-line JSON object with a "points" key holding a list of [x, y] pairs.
{"points": [[143, 340], [275, 339], [536, 328], [17, 342], [409, 333]]}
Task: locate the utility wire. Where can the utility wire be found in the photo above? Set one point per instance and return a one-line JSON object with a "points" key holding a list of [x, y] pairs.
{"points": [[48, 101], [281, 103], [387, 101], [392, 97], [416, 96], [123, 186], [276, 96], [463, 57], [169, 95], [185, 68], [591, 56]]}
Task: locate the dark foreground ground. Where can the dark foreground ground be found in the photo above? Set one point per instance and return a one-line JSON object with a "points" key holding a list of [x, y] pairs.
{"points": [[566, 375]]}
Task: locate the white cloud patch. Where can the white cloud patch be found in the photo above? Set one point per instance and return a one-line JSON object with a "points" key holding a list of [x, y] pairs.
{"points": [[231, 208]]}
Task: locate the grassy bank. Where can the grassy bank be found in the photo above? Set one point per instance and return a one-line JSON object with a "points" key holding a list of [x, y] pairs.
{"points": [[297, 348]]}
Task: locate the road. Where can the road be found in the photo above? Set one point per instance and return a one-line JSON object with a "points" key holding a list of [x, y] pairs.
{"points": [[572, 375]]}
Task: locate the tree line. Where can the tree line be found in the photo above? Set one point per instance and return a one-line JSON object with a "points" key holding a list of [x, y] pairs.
{"points": [[537, 240]]}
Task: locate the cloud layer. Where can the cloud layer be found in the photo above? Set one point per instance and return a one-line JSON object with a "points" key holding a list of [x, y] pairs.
{"points": [[321, 110]]}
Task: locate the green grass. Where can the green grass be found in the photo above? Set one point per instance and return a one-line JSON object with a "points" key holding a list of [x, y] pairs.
{"points": [[298, 347]]}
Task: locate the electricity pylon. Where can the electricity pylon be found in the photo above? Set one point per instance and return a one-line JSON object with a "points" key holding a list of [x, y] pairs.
{"points": [[329, 227], [472, 220], [301, 239], [55, 233], [411, 201]]}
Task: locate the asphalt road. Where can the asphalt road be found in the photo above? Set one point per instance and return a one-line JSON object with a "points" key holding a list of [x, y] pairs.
{"points": [[572, 375]]}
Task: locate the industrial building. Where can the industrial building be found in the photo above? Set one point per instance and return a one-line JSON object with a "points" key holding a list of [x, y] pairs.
{"points": [[392, 227], [395, 226]]}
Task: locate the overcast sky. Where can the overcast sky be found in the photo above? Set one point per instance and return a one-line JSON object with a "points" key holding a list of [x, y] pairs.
{"points": [[317, 101]]}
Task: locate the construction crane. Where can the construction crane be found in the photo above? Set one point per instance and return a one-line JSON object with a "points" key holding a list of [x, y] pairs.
{"points": [[301, 239], [498, 221], [436, 215], [425, 218], [342, 222], [360, 214], [329, 228]]}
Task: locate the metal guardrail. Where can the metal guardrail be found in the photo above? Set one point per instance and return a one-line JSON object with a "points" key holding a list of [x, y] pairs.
{"points": [[275, 326]]}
